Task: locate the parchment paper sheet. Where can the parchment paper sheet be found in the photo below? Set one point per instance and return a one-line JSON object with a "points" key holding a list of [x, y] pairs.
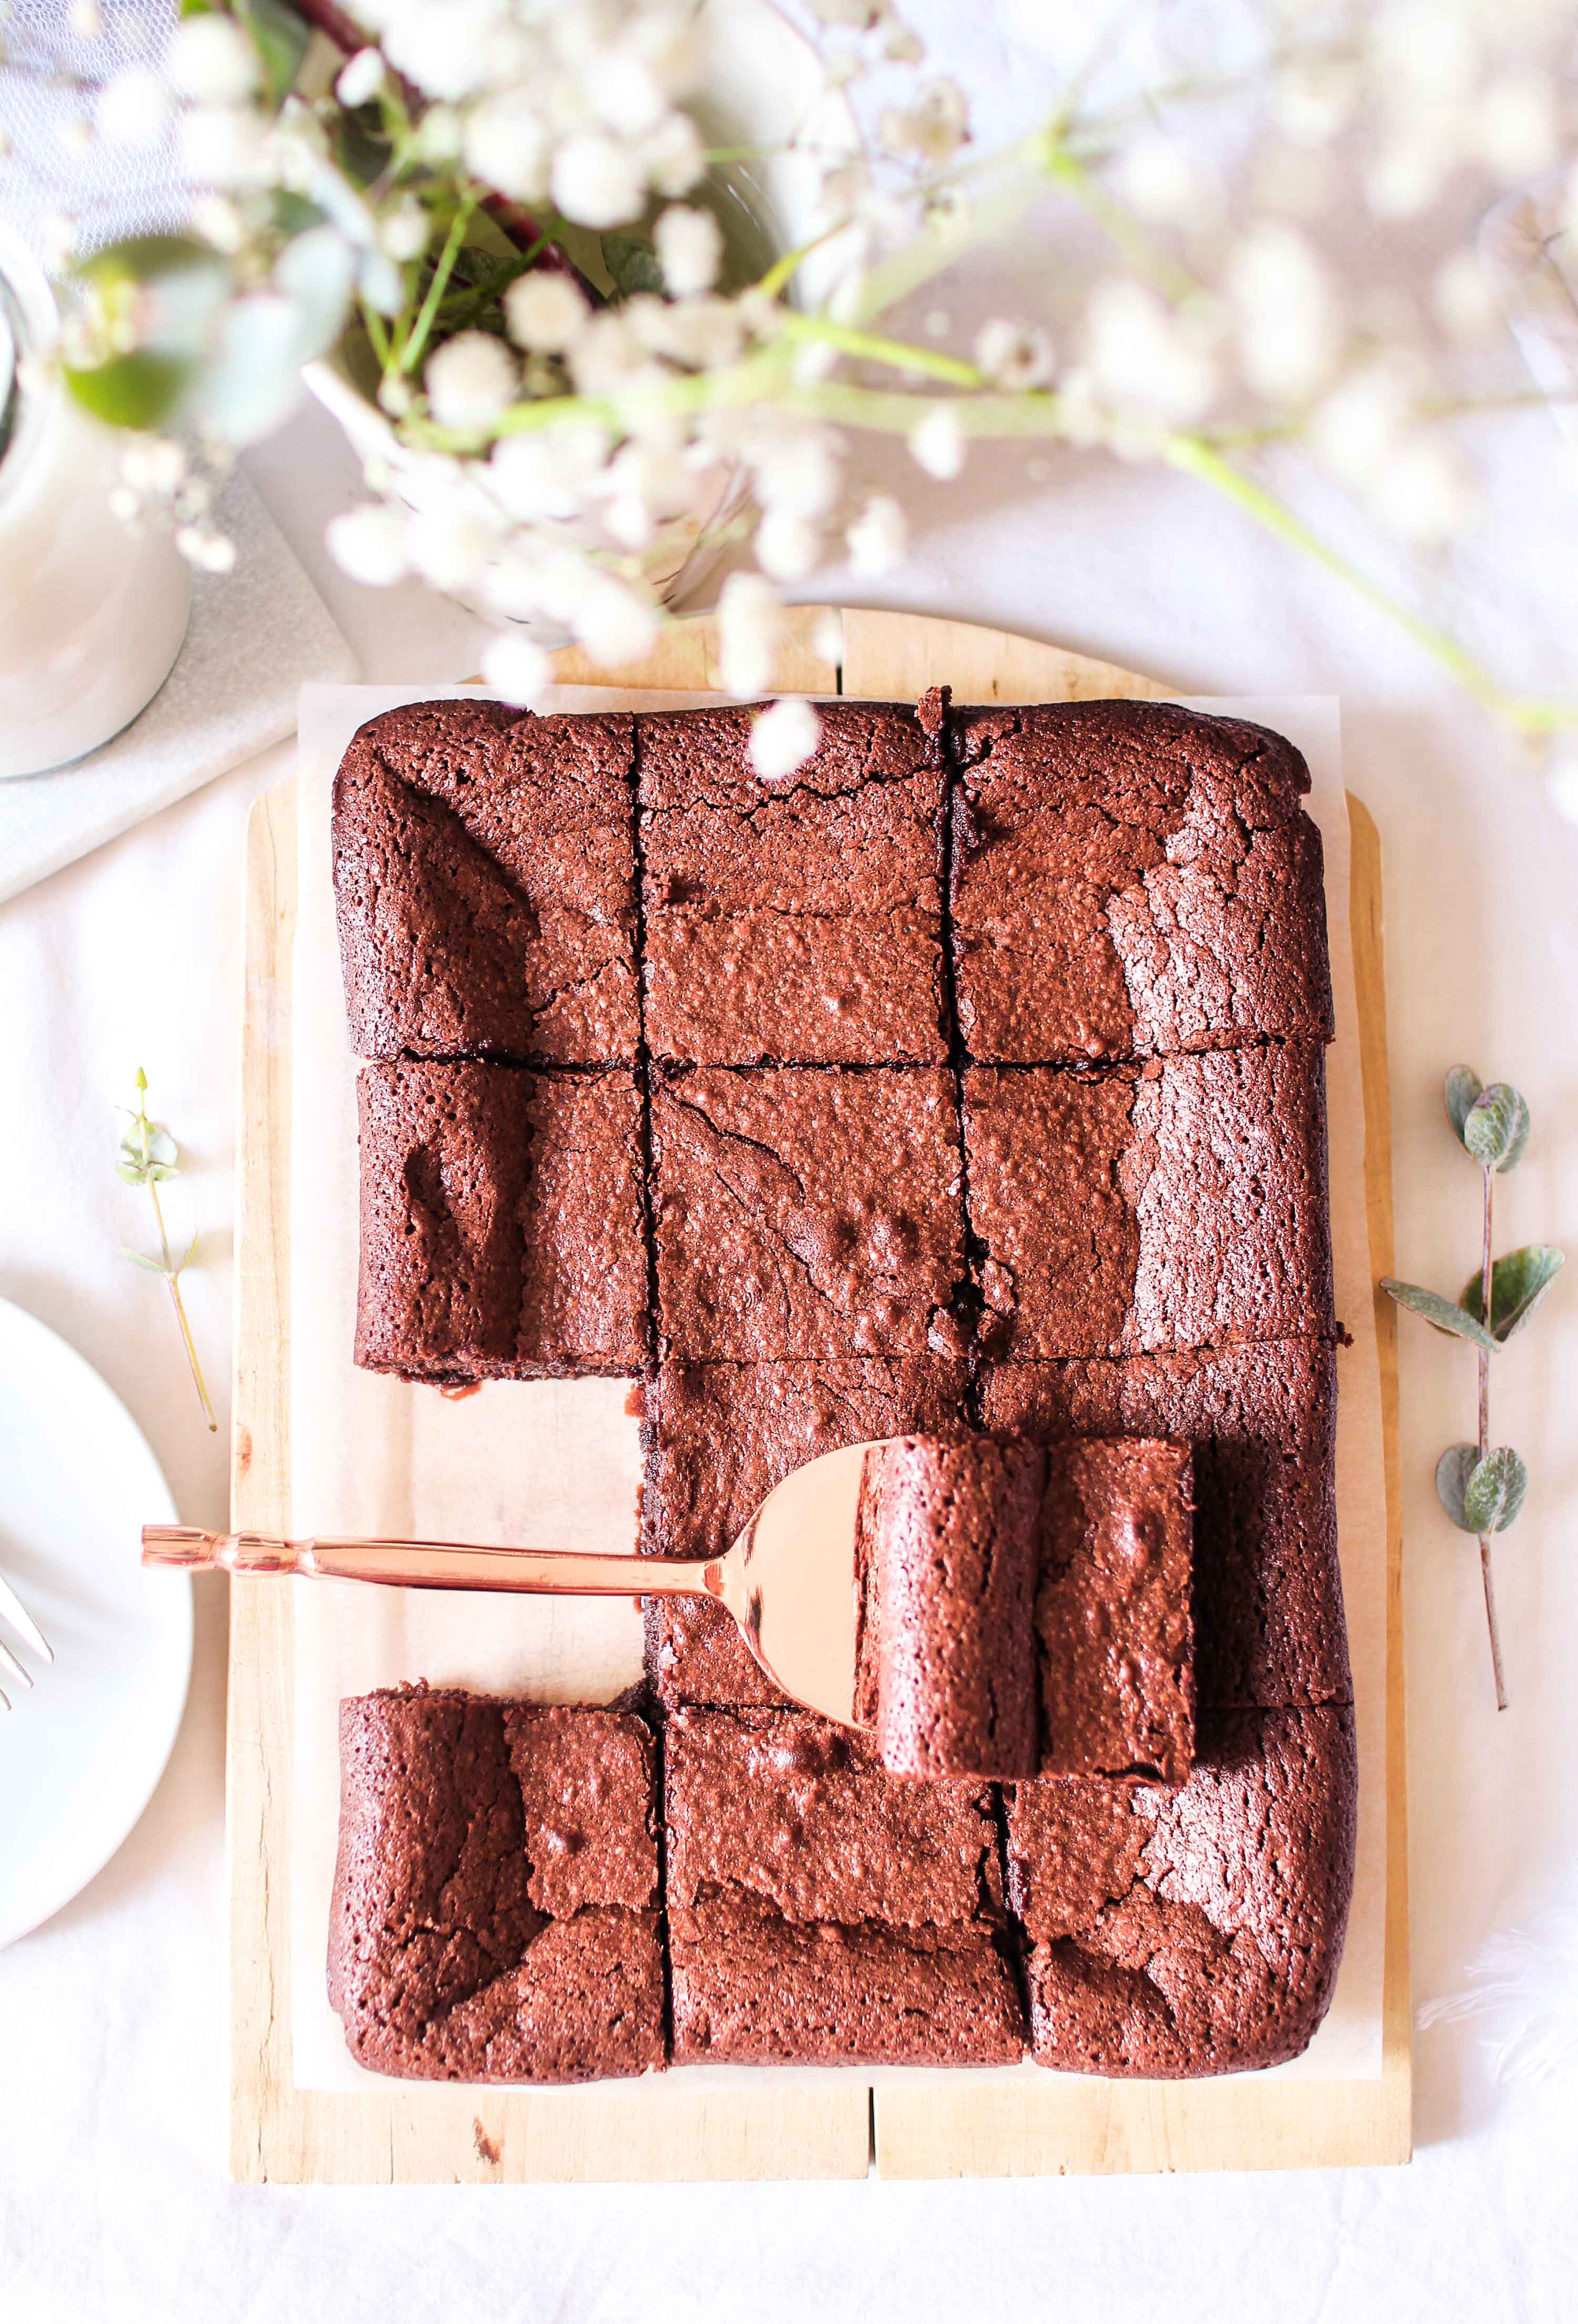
{"points": [[557, 1463]]}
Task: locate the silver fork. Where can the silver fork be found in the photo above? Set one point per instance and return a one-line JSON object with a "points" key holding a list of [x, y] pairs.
{"points": [[14, 1613]]}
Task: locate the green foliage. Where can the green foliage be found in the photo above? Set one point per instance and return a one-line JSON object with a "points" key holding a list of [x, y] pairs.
{"points": [[1517, 1284], [633, 264], [1494, 1492], [280, 37], [1445, 1314], [1452, 1470], [1495, 1128], [1463, 1087]]}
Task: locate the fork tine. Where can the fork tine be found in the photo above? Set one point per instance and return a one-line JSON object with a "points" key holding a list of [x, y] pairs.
{"points": [[8, 1662], [14, 1611]]}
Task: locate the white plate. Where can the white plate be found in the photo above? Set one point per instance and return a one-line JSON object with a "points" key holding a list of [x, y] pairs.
{"points": [[82, 1750]]}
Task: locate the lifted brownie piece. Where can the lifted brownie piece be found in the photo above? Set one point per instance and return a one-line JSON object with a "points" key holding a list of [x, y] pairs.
{"points": [[1026, 1610], [718, 1438], [501, 1228], [806, 1214], [797, 922], [1178, 1204], [1268, 1625], [820, 1910], [1192, 1931], [1131, 879], [484, 881], [495, 1912]]}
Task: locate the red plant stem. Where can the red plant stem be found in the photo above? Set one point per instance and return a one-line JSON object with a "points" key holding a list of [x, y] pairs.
{"points": [[1485, 1574]]}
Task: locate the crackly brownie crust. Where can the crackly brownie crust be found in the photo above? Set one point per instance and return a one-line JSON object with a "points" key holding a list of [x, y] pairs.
{"points": [[1132, 879], [799, 922], [1176, 1933], [501, 1222], [718, 1437], [806, 1214], [495, 1912], [1268, 1625], [821, 1911], [484, 885], [1178, 1204]]}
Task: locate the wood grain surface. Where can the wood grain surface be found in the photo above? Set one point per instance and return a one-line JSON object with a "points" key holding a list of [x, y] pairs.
{"points": [[941, 2126]]}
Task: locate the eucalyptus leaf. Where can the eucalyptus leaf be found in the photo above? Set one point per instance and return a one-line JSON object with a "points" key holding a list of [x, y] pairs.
{"points": [[1442, 1312], [1517, 1284], [1453, 1472], [141, 1258], [633, 264], [136, 390], [1463, 1087], [1496, 1127], [1495, 1490], [280, 37]]}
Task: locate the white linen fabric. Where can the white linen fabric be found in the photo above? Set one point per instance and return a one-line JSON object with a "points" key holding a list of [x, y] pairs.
{"points": [[113, 2202]]}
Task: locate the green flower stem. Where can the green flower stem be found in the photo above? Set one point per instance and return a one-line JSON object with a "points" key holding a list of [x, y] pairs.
{"points": [[1487, 1579], [172, 1277], [410, 354], [1144, 255], [898, 353]]}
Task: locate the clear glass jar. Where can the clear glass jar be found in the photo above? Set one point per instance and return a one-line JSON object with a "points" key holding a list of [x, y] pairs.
{"points": [[91, 616]]}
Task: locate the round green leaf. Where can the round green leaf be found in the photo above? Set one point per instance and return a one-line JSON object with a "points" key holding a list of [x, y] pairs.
{"points": [[1463, 1087], [136, 390], [1442, 1312], [1496, 1127], [1517, 1284], [1495, 1490], [1453, 1472]]}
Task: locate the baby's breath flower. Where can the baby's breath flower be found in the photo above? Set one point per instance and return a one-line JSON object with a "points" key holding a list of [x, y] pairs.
{"points": [[506, 145], [470, 381], [1157, 177], [671, 159], [86, 19], [690, 246], [932, 130], [449, 543], [614, 623], [223, 144], [1287, 312], [517, 670], [877, 538], [545, 311], [369, 544], [1420, 492], [153, 464], [447, 50], [788, 546], [936, 443], [210, 60], [783, 737], [360, 78], [596, 180], [1014, 355], [405, 231], [796, 468], [1516, 127], [1464, 298], [1143, 356], [210, 552], [133, 108], [749, 626]]}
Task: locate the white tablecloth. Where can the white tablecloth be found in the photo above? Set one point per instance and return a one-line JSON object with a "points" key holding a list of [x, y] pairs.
{"points": [[112, 2203]]}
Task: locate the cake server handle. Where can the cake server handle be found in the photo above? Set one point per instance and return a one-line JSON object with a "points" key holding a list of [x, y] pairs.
{"points": [[438, 1564]]}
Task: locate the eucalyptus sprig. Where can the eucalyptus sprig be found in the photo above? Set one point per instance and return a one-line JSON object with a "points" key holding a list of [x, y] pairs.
{"points": [[1481, 1487], [148, 1155]]}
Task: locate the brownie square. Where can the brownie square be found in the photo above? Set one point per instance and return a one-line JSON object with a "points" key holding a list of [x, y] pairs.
{"points": [[718, 1438], [494, 1911], [1131, 879], [1026, 1610], [501, 1227], [793, 923], [484, 882], [822, 1912], [1178, 1204], [806, 1214], [1269, 1627], [1173, 1933]]}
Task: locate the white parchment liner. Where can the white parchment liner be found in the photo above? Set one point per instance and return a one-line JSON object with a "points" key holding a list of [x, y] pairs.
{"points": [[557, 1463]]}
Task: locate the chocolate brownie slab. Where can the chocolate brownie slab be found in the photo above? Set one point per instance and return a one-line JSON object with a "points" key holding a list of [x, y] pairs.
{"points": [[800, 922], [1026, 1610], [500, 1222], [494, 1911], [822, 1912], [718, 1438], [1132, 879], [1175, 1933], [1269, 1626], [806, 1214], [1178, 1204], [484, 881]]}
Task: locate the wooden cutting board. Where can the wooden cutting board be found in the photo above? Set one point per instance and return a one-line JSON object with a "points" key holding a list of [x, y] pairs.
{"points": [[941, 2127]]}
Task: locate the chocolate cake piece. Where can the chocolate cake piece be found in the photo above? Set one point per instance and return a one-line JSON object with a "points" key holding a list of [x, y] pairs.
{"points": [[806, 1214], [1026, 1610], [822, 1912], [484, 882], [718, 1438], [950, 1553], [1269, 1626], [1131, 879], [1175, 1933], [501, 1229], [1114, 1639], [795, 922], [1178, 1204], [495, 1912]]}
